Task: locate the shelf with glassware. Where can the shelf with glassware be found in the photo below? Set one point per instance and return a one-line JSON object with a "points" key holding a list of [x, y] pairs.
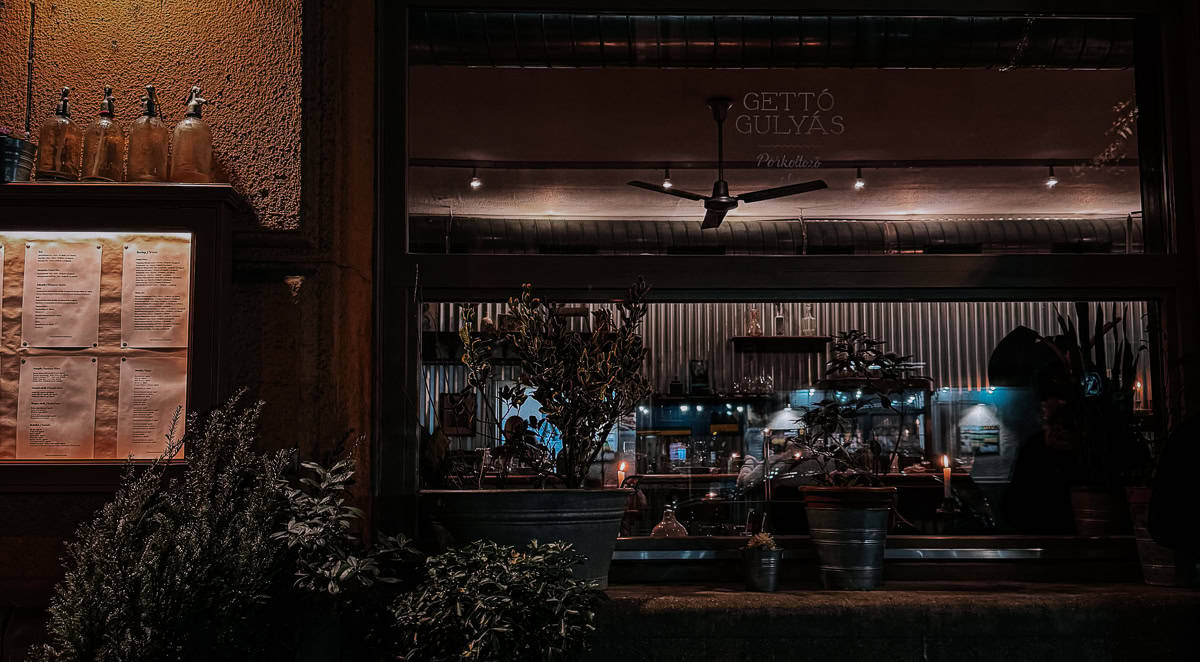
{"points": [[104, 151]]}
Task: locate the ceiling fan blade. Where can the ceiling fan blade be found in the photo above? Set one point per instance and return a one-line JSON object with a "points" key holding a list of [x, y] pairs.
{"points": [[712, 219], [781, 191], [669, 191]]}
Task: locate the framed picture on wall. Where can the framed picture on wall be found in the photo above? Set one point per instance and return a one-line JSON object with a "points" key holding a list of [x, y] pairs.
{"points": [[456, 414], [979, 439]]}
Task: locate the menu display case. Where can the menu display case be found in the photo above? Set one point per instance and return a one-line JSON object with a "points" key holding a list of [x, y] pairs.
{"points": [[112, 319]]}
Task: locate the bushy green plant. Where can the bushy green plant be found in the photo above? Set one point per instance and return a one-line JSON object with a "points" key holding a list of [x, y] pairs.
{"points": [[585, 382], [877, 378], [488, 602], [328, 556], [230, 559], [178, 567]]}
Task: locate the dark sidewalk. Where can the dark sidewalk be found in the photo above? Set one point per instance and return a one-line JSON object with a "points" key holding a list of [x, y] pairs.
{"points": [[959, 621]]}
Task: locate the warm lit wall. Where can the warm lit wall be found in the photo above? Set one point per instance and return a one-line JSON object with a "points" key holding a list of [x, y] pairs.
{"points": [[301, 312], [245, 55]]}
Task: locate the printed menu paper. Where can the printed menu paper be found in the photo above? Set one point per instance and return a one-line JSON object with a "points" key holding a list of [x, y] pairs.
{"points": [[151, 391], [155, 284], [61, 306], [56, 408]]}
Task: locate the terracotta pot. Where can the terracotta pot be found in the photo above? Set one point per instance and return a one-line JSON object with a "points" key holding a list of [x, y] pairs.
{"points": [[848, 526], [1098, 512], [1161, 566], [588, 519]]}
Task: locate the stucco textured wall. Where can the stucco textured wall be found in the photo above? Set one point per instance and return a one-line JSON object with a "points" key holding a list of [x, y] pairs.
{"points": [[245, 54]]}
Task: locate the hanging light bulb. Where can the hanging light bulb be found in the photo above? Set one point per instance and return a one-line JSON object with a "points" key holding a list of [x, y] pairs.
{"points": [[476, 182], [1051, 181], [667, 178], [859, 182]]}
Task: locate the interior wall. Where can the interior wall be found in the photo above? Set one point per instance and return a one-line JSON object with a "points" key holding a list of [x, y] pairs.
{"points": [[952, 340]]}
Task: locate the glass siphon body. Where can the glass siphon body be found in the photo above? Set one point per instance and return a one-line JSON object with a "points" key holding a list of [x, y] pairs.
{"points": [[59, 143], [148, 143], [104, 145], [191, 145]]}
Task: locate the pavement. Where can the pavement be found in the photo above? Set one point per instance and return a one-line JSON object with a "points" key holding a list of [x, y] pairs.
{"points": [[963, 621]]}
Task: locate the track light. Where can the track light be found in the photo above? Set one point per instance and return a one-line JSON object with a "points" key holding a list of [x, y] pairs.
{"points": [[476, 182], [859, 182], [1051, 181], [667, 178]]}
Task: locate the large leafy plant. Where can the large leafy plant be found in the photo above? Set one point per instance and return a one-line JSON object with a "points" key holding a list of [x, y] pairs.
{"points": [[585, 382], [490, 602], [1099, 394]]}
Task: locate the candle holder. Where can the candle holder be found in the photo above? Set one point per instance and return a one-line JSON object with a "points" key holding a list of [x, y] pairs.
{"points": [[949, 514]]}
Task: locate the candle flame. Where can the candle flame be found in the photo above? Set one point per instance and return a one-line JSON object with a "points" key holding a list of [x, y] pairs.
{"points": [[945, 461], [621, 466]]}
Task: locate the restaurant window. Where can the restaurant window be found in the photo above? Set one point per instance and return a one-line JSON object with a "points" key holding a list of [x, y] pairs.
{"points": [[961, 188], [930, 135], [731, 383]]}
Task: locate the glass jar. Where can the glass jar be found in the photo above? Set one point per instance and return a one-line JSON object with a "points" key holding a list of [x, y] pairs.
{"points": [[753, 323], [669, 527]]}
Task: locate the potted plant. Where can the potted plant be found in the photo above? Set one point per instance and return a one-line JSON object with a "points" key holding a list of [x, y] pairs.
{"points": [[16, 157], [584, 383], [490, 602], [1099, 401], [760, 558], [848, 509]]}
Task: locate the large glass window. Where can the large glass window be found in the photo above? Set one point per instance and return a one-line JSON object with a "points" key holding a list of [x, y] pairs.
{"points": [[982, 388]]}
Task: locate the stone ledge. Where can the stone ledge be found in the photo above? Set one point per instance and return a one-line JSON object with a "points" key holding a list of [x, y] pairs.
{"points": [[960, 621]]}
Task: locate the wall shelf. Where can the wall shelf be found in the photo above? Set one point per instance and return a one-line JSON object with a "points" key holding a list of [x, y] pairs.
{"points": [[782, 344]]}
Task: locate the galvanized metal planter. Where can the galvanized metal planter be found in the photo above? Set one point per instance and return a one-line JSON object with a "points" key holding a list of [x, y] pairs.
{"points": [[1098, 512], [762, 568], [1161, 566], [848, 526], [16, 159], [588, 519]]}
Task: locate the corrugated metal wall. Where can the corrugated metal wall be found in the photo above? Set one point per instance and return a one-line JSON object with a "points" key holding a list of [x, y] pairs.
{"points": [[953, 339]]}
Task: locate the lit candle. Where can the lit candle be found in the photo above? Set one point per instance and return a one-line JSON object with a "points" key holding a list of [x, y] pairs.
{"points": [[621, 474], [945, 477]]}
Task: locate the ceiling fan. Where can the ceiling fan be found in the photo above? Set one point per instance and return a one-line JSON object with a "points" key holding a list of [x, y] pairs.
{"points": [[720, 202]]}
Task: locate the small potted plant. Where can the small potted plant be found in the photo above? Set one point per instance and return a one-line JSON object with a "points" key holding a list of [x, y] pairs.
{"points": [[848, 509], [584, 383], [760, 560]]}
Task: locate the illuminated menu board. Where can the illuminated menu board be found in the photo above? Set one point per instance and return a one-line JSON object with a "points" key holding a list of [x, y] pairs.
{"points": [[94, 334]]}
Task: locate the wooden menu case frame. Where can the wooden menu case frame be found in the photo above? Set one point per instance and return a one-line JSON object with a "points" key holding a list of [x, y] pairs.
{"points": [[206, 211]]}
